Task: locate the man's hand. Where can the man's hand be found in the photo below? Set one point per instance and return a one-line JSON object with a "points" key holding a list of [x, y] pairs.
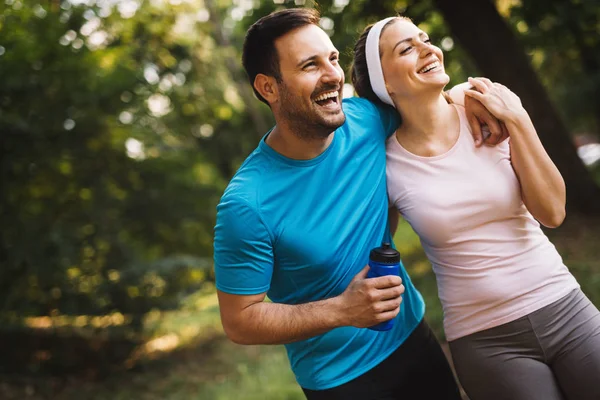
{"points": [[486, 128], [367, 302]]}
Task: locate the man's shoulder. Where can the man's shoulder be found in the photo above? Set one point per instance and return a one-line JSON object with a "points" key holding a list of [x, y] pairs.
{"points": [[357, 104], [361, 109], [243, 187]]}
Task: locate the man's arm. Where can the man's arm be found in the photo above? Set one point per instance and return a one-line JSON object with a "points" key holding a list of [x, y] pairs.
{"points": [[243, 267], [366, 302]]}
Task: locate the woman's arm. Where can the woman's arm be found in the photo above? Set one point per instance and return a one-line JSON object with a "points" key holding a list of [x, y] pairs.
{"points": [[393, 219], [542, 186]]}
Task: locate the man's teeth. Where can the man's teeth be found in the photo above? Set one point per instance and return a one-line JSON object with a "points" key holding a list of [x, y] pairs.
{"points": [[429, 67], [328, 95]]}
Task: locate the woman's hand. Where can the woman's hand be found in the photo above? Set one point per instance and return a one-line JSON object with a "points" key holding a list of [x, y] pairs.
{"points": [[498, 99]]}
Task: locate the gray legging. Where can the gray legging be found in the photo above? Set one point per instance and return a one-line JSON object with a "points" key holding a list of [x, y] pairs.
{"points": [[551, 354]]}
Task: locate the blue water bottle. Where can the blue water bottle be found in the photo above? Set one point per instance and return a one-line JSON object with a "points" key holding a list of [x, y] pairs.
{"points": [[383, 260]]}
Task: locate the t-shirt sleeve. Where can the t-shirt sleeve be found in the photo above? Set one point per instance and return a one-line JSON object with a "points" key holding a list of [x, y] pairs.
{"points": [[243, 252], [389, 118]]}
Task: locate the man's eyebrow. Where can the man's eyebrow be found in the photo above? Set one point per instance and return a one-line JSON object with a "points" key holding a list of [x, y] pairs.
{"points": [[314, 57], [305, 60], [421, 34]]}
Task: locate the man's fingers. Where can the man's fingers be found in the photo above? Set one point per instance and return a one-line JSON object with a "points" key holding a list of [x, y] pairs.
{"points": [[389, 305], [384, 282], [475, 130], [391, 293], [485, 132], [362, 274], [386, 316], [505, 134], [495, 136], [493, 125]]}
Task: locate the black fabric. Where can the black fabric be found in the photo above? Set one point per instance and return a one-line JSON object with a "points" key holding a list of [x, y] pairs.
{"points": [[417, 370]]}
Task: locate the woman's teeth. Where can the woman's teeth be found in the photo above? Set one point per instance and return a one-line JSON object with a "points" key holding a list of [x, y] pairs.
{"points": [[429, 67]]}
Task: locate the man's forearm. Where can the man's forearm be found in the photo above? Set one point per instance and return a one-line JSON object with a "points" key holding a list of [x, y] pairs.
{"points": [[275, 323]]}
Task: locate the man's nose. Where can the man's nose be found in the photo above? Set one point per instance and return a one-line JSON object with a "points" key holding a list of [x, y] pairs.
{"points": [[333, 73]]}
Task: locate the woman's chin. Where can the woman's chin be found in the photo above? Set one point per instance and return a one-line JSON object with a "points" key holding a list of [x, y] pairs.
{"points": [[440, 78], [433, 79], [433, 85], [436, 84]]}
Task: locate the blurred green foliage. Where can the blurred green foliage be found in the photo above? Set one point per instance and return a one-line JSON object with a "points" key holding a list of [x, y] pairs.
{"points": [[562, 39], [87, 228]]}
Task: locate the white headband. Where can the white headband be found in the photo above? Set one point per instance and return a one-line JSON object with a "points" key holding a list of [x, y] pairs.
{"points": [[374, 62]]}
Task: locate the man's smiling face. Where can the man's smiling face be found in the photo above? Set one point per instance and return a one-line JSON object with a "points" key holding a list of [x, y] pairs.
{"points": [[310, 89]]}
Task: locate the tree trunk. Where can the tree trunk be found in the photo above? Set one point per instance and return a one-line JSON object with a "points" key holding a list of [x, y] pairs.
{"points": [[590, 60], [484, 33]]}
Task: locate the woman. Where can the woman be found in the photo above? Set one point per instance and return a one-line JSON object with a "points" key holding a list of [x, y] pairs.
{"points": [[518, 325]]}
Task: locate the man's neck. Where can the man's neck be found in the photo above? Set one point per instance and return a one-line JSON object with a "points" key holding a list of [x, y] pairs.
{"points": [[283, 140]]}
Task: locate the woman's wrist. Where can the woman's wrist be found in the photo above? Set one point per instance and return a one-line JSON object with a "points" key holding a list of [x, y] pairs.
{"points": [[519, 123], [517, 118]]}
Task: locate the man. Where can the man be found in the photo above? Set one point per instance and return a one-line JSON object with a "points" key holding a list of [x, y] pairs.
{"points": [[298, 220]]}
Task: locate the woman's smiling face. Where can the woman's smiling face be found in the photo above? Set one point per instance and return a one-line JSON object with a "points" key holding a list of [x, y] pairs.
{"points": [[411, 64]]}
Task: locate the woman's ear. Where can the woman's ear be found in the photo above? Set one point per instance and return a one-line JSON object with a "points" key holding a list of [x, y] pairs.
{"points": [[389, 89], [267, 87]]}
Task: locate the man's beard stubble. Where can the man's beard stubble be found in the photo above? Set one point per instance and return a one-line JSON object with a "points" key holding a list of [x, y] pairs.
{"points": [[305, 124]]}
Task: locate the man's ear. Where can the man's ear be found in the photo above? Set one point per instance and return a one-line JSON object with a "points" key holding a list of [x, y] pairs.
{"points": [[267, 87]]}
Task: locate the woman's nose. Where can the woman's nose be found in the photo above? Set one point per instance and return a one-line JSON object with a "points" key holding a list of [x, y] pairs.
{"points": [[426, 49]]}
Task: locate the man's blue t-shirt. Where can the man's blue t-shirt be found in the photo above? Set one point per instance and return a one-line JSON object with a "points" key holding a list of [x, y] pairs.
{"points": [[301, 230]]}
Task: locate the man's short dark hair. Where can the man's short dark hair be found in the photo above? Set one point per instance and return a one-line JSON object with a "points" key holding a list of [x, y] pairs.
{"points": [[259, 55]]}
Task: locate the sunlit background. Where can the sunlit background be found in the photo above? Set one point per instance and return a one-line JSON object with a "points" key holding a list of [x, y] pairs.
{"points": [[121, 122]]}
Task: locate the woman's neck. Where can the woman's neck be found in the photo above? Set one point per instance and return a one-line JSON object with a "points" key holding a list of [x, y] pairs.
{"points": [[430, 125]]}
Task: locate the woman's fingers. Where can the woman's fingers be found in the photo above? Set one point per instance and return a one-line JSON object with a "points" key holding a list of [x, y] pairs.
{"points": [[486, 81], [484, 85], [475, 94], [479, 85]]}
